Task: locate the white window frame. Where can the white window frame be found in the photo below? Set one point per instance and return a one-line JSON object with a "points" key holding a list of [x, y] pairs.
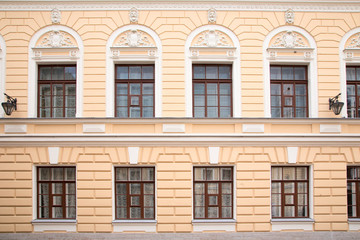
{"points": [[2, 70], [311, 63], [234, 59], [35, 60], [140, 59]]}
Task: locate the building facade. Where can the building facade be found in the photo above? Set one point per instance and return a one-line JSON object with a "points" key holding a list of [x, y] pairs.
{"points": [[191, 116]]}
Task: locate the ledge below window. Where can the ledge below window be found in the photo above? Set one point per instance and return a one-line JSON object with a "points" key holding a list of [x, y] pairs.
{"points": [[134, 225], [207, 225], [54, 225], [304, 224], [354, 224]]}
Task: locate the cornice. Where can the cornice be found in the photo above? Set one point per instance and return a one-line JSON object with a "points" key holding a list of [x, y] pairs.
{"points": [[300, 6]]}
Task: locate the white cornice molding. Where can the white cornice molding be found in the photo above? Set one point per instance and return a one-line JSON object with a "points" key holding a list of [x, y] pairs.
{"points": [[299, 6]]}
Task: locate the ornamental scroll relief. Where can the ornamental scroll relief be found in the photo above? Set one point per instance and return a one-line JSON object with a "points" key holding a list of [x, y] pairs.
{"points": [[212, 38], [56, 39], [289, 39], [134, 38]]}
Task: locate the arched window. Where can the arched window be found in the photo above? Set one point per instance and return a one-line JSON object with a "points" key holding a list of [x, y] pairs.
{"points": [[212, 73], [2, 69], [290, 74], [350, 73], [133, 77], [55, 73]]}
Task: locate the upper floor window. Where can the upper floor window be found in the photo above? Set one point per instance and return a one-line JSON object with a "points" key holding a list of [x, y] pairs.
{"points": [[134, 91], [212, 92], [353, 91], [56, 192], [353, 192], [56, 91], [289, 91]]}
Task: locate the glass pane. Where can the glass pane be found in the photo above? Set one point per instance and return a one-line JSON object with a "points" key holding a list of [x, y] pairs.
{"points": [[44, 200], [134, 188], [70, 73], [288, 89], [199, 88], [147, 174], [70, 174], [275, 73], [212, 88], [226, 212], [43, 212], [199, 72], [148, 112], [45, 89], [135, 174], [45, 73], [275, 199], [44, 174], [276, 173], [212, 174], [122, 101], [289, 173], [45, 102], [276, 187], [200, 200], [225, 112], [213, 212], [226, 200], [70, 188], [287, 73], [121, 213], [57, 212], [57, 174], [275, 112], [70, 200], [134, 101], [275, 211], [121, 188], [57, 188], [212, 100], [135, 72], [212, 188], [357, 73], [226, 188], [350, 74], [199, 100], [289, 211], [275, 89], [212, 112], [58, 89], [302, 187], [147, 72], [302, 199], [288, 112], [289, 199], [300, 89], [351, 173], [300, 112], [135, 212], [300, 101], [122, 72], [58, 112], [226, 173], [122, 112], [70, 89], [135, 201], [148, 188], [211, 72], [350, 89], [200, 173], [58, 73], [43, 188], [70, 101], [135, 89], [213, 200], [224, 72], [301, 173], [199, 212], [135, 112], [276, 101], [289, 187], [300, 73], [148, 212], [122, 88], [225, 88], [121, 174], [199, 188], [71, 212], [302, 211], [225, 101], [288, 101], [148, 200], [148, 88], [199, 112]]}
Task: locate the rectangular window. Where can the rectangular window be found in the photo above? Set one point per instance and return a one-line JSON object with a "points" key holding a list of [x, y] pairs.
{"points": [[134, 91], [290, 192], [353, 191], [213, 193], [56, 192], [289, 91], [135, 192], [212, 91], [353, 91], [56, 91]]}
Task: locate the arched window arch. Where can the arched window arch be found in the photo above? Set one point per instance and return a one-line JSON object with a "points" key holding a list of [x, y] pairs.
{"points": [[55, 45], [349, 52], [284, 48], [2, 69], [135, 47], [215, 48]]}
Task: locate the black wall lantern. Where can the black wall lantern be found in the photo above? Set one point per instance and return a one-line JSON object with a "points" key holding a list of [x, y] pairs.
{"points": [[10, 105], [335, 105]]}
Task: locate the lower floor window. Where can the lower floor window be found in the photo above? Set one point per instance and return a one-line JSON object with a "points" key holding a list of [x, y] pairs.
{"points": [[353, 191], [213, 192], [289, 192], [56, 192], [135, 192]]}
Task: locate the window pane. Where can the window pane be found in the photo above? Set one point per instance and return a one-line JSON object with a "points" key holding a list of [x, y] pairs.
{"points": [[300, 101], [57, 188], [287, 73], [199, 88], [288, 89], [300, 89], [70, 174], [147, 174], [289, 173], [134, 101], [45, 90], [225, 101], [275, 199], [70, 188], [226, 200], [121, 88], [302, 199], [288, 112], [122, 100], [199, 212], [199, 112], [135, 112], [58, 89], [225, 88], [45, 73], [43, 200], [289, 199], [212, 101], [121, 213], [301, 173], [148, 112], [275, 89], [147, 72], [289, 211], [148, 188], [70, 89], [199, 100], [276, 173], [135, 201], [302, 211], [300, 73], [350, 74], [275, 73], [226, 174], [213, 212], [225, 112], [121, 174], [148, 212], [276, 187], [199, 72], [122, 112], [211, 72], [44, 174], [351, 173], [57, 174], [226, 212], [302, 187], [213, 200], [212, 112], [224, 72], [71, 212], [212, 174], [135, 89], [43, 188], [58, 73], [199, 188], [57, 212], [135, 212], [212, 188], [122, 72], [148, 88], [135, 188], [212, 88], [135, 174], [276, 101], [199, 200], [275, 112], [275, 211], [121, 188], [135, 72], [226, 188], [70, 73], [70, 200], [289, 187], [200, 173], [43, 212]]}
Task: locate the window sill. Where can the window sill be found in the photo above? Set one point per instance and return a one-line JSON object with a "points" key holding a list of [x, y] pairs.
{"points": [[134, 225], [207, 225], [354, 224], [281, 224], [48, 225]]}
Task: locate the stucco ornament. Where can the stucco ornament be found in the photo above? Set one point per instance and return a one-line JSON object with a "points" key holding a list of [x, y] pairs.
{"points": [[355, 42], [134, 15], [289, 39], [134, 38], [56, 39], [55, 16], [212, 38], [212, 15], [289, 16]]}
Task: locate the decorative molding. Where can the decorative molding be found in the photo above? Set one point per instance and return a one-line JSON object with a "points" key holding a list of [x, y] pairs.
{"points": [[55, 16], [289, 16], [206, 226], [289, 39], [134, 226], [94, 128], [134, 15], [133, 38], [214, 155], [292, 225], [133, 155], [212, 15], [56, 39], [355, 42], [10, 128], [327, 128], [212, 38], [253, 128], [174, 128], [292, 153], [54, 154], [53, 225]]}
